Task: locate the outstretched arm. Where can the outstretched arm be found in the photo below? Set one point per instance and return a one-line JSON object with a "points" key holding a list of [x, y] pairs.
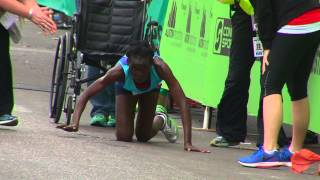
{"points": [[111, 76], [15, 7], [30, 9], [179, 97]]}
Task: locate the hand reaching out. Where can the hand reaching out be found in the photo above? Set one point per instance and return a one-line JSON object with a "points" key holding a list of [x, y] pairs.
{"points": [[41, 16], [47, 11]]}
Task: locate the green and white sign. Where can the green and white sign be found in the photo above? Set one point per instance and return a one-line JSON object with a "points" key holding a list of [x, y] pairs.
{"points": [[196, 43]]}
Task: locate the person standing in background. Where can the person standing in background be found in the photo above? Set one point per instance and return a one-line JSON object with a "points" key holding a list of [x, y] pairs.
{"points": [[232, 110], [103, 104], [39, 16], [290, 34]]}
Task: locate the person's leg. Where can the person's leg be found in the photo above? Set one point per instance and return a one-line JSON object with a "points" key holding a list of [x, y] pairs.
{"points": [[232, 109], [125, 106], [6, 88], [169, 124], [147, 125], [297, 86], [301, 115], [103, 103], [282, 139], [272, 113], [162, 103], [286, 59], [274, 78]]}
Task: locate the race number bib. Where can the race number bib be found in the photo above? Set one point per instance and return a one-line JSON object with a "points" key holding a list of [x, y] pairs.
{"points": [[257, 47]]}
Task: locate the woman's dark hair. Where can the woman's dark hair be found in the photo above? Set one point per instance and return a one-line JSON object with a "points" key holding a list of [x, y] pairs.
{"points": [[140, 50]]}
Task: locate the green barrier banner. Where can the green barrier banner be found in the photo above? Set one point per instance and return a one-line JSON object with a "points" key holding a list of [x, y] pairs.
{"points": [[66, 6], [196, 44]]}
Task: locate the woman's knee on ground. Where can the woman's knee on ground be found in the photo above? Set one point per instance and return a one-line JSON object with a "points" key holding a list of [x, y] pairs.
{"points": [[124, 136], [143, 136]]}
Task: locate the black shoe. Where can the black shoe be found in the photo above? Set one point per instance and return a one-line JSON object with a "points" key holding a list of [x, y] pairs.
{"points": [[8, 120]]}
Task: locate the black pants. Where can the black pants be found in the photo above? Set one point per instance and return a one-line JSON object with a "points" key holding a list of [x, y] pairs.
{"points": [[232, 109], [6, 90]]}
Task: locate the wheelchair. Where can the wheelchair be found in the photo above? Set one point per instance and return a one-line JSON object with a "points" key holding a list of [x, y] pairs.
{"points": [[77, 48]]}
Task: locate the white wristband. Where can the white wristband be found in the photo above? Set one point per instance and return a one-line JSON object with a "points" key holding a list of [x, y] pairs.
{"points": [[30, 13]]}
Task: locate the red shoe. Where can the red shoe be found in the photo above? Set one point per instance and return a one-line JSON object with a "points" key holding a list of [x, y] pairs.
{"points": [[303, 159]]}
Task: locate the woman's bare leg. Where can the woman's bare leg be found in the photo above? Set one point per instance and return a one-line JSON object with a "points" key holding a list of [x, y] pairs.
{"points": [[147, 124], [125, 112]]}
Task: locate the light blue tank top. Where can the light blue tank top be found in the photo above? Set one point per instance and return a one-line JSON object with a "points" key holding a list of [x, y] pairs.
{"points": [[129, 84]]}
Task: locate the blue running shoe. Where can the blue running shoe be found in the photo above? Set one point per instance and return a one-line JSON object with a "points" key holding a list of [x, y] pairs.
{"points": [[261, 159], [285, 155]]}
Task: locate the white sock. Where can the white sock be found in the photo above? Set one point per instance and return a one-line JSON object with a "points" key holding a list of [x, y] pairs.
{"points": [[289, 148], [270, 152]]}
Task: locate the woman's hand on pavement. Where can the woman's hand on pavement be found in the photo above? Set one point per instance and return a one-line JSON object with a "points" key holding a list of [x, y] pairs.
{"points": [[69, 128], [189, 147]]}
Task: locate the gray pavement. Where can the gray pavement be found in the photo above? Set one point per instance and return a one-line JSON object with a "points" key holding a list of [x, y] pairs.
{"points": [[35, 149]]}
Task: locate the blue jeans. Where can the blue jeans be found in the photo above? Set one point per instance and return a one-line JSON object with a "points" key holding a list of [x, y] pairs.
{"points": [[103, 102]]}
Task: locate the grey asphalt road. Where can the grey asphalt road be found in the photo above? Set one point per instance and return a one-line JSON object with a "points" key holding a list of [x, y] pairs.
{"points": [[35, 149]]}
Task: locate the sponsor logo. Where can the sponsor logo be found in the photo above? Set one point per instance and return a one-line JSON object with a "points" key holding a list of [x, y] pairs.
{"points": [[223, 36]]}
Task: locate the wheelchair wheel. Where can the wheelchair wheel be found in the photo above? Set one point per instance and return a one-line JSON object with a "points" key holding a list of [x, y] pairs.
{"points": [[69, 109], [59, 80], [70, 101], [52, 102]]}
